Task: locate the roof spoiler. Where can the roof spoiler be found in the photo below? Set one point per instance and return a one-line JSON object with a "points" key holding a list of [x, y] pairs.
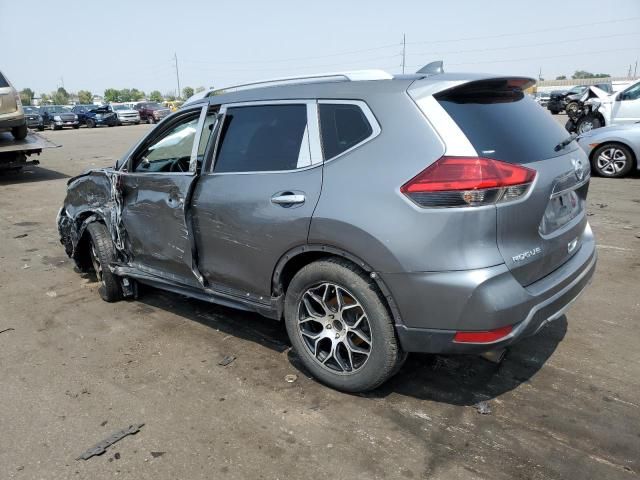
{"points": [[433, 68]]}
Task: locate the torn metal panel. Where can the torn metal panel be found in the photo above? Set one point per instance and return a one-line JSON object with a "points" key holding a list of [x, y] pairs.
{"points": [[100, 448]]}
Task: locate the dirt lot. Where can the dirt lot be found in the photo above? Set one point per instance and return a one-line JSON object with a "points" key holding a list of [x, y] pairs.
{"points": [[74, 369]]}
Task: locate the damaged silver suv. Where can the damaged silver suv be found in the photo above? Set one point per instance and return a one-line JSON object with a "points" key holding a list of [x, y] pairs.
{"points": [[377, 215]]}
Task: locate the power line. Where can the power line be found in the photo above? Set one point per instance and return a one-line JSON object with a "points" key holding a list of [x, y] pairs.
{"points": [[591, 37], [574, 54], [502, 35]]}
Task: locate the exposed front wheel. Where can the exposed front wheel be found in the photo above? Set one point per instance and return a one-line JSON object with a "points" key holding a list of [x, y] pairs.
{"points": [[588, 123], [340, 327], [102, 254], [612, 160]]}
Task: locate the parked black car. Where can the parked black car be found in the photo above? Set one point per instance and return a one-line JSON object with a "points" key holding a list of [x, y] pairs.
{"points": [[58, 116], [560, 98], [33, 117], [95, 115]]}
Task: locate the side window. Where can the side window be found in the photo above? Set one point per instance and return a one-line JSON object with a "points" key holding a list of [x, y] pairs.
{"points": [[342, 126], [171, 152], [263, 138], [633, 93]]}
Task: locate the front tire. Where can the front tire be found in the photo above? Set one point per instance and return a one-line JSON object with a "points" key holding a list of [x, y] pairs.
{"points": [[612, 160], [340, 327], [91, 123], [102, 254], [588, 123], [150, 120]]}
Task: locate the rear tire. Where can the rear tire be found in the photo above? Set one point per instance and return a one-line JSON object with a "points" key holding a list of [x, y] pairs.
{"points": [[349, 345], [612, 160], [40, 128], [20, 133], [102, 254]]}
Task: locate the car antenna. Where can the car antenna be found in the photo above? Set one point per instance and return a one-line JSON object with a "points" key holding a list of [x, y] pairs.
{"points": [[433, 68]]}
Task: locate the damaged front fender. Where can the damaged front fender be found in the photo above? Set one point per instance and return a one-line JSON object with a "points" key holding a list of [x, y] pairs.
{"points": [[93, 196]]}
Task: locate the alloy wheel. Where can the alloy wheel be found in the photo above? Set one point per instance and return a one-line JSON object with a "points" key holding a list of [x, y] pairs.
{"points": [[611, 161], [334, 328]]}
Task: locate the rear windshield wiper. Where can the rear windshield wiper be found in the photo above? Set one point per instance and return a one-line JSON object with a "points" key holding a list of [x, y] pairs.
{"points": [[565, 142]]}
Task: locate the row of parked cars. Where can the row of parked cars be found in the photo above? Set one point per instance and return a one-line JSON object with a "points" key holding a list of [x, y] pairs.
{"points": [[57, 117]]}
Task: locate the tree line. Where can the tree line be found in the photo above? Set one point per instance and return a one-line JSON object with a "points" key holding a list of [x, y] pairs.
{"points": [[62, 97]]}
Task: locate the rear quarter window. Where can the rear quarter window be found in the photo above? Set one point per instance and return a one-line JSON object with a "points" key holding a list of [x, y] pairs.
{"points": [[342, 126], [3, 81], [504, 124]]}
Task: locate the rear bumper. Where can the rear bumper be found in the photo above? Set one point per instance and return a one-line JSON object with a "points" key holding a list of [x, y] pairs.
{"points": [[434, 306], [12, 120]]}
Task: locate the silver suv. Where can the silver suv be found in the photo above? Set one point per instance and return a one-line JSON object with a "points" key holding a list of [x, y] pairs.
{"points": [[11, 112], [377, 215]]}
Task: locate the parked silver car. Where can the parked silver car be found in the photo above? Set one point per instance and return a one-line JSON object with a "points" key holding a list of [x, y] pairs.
{"points": [[613, 151], [377, 215], [11, 112]]}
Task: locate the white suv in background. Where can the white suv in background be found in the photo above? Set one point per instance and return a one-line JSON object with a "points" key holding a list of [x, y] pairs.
{"points": [[11, 113]]}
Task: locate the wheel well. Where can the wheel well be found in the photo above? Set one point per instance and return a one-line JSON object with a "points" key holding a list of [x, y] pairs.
{"points": [[634, 160], [291, 264], [81, 251]]}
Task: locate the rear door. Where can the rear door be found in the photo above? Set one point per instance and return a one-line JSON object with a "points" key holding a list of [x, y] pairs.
{"points": [[8, 102], [155, 190], [256, 197], [626, 107], [540, 232]]}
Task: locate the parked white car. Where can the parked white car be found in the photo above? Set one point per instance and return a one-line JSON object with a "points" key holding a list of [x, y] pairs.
{"points": [[126, 114], [620, 108]]}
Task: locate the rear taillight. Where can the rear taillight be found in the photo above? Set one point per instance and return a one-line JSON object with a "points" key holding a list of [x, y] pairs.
{"points": [[468, 181]]}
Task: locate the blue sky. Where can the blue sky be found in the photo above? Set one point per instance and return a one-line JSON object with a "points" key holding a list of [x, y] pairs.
{"points": [[97, 44]]}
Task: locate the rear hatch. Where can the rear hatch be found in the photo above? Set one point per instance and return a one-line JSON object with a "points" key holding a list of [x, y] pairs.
{"points": [[8, 103], [539, 232]]}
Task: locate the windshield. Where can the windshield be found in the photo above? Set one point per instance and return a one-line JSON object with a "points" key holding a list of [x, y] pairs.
{"points": [[578, 89], [31, 110], [58, 109], [120, 107], [154, 105]]}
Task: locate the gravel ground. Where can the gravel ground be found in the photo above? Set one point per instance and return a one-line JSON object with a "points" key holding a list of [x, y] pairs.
{"points": [[73, 369]]}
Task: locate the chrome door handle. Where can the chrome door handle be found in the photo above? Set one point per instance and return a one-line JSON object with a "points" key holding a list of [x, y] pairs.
{"points": [[288, 199]]}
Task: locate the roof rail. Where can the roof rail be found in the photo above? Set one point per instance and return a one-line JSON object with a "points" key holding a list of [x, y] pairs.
{"points": [[353, 76]]}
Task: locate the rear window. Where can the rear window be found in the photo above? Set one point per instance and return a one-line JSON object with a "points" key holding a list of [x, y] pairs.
{"points": [[343, 126], [263, 138], [3, 82], [503, 123]]}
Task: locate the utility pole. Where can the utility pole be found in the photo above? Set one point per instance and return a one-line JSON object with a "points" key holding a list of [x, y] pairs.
{"points": [[540, 74], [635, 70], [175, 57], [404, 51]]}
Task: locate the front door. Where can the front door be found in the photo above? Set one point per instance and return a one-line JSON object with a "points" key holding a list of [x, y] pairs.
{"points": [[256, 197], [155, 189], [626, 108]]}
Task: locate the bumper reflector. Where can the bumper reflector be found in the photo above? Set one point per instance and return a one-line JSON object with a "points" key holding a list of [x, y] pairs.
{"points": [[489, 336]]}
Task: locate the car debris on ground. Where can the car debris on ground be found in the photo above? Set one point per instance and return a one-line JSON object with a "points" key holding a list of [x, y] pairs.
{"points": [[100, 448], [226, 360], [483, 408]]}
